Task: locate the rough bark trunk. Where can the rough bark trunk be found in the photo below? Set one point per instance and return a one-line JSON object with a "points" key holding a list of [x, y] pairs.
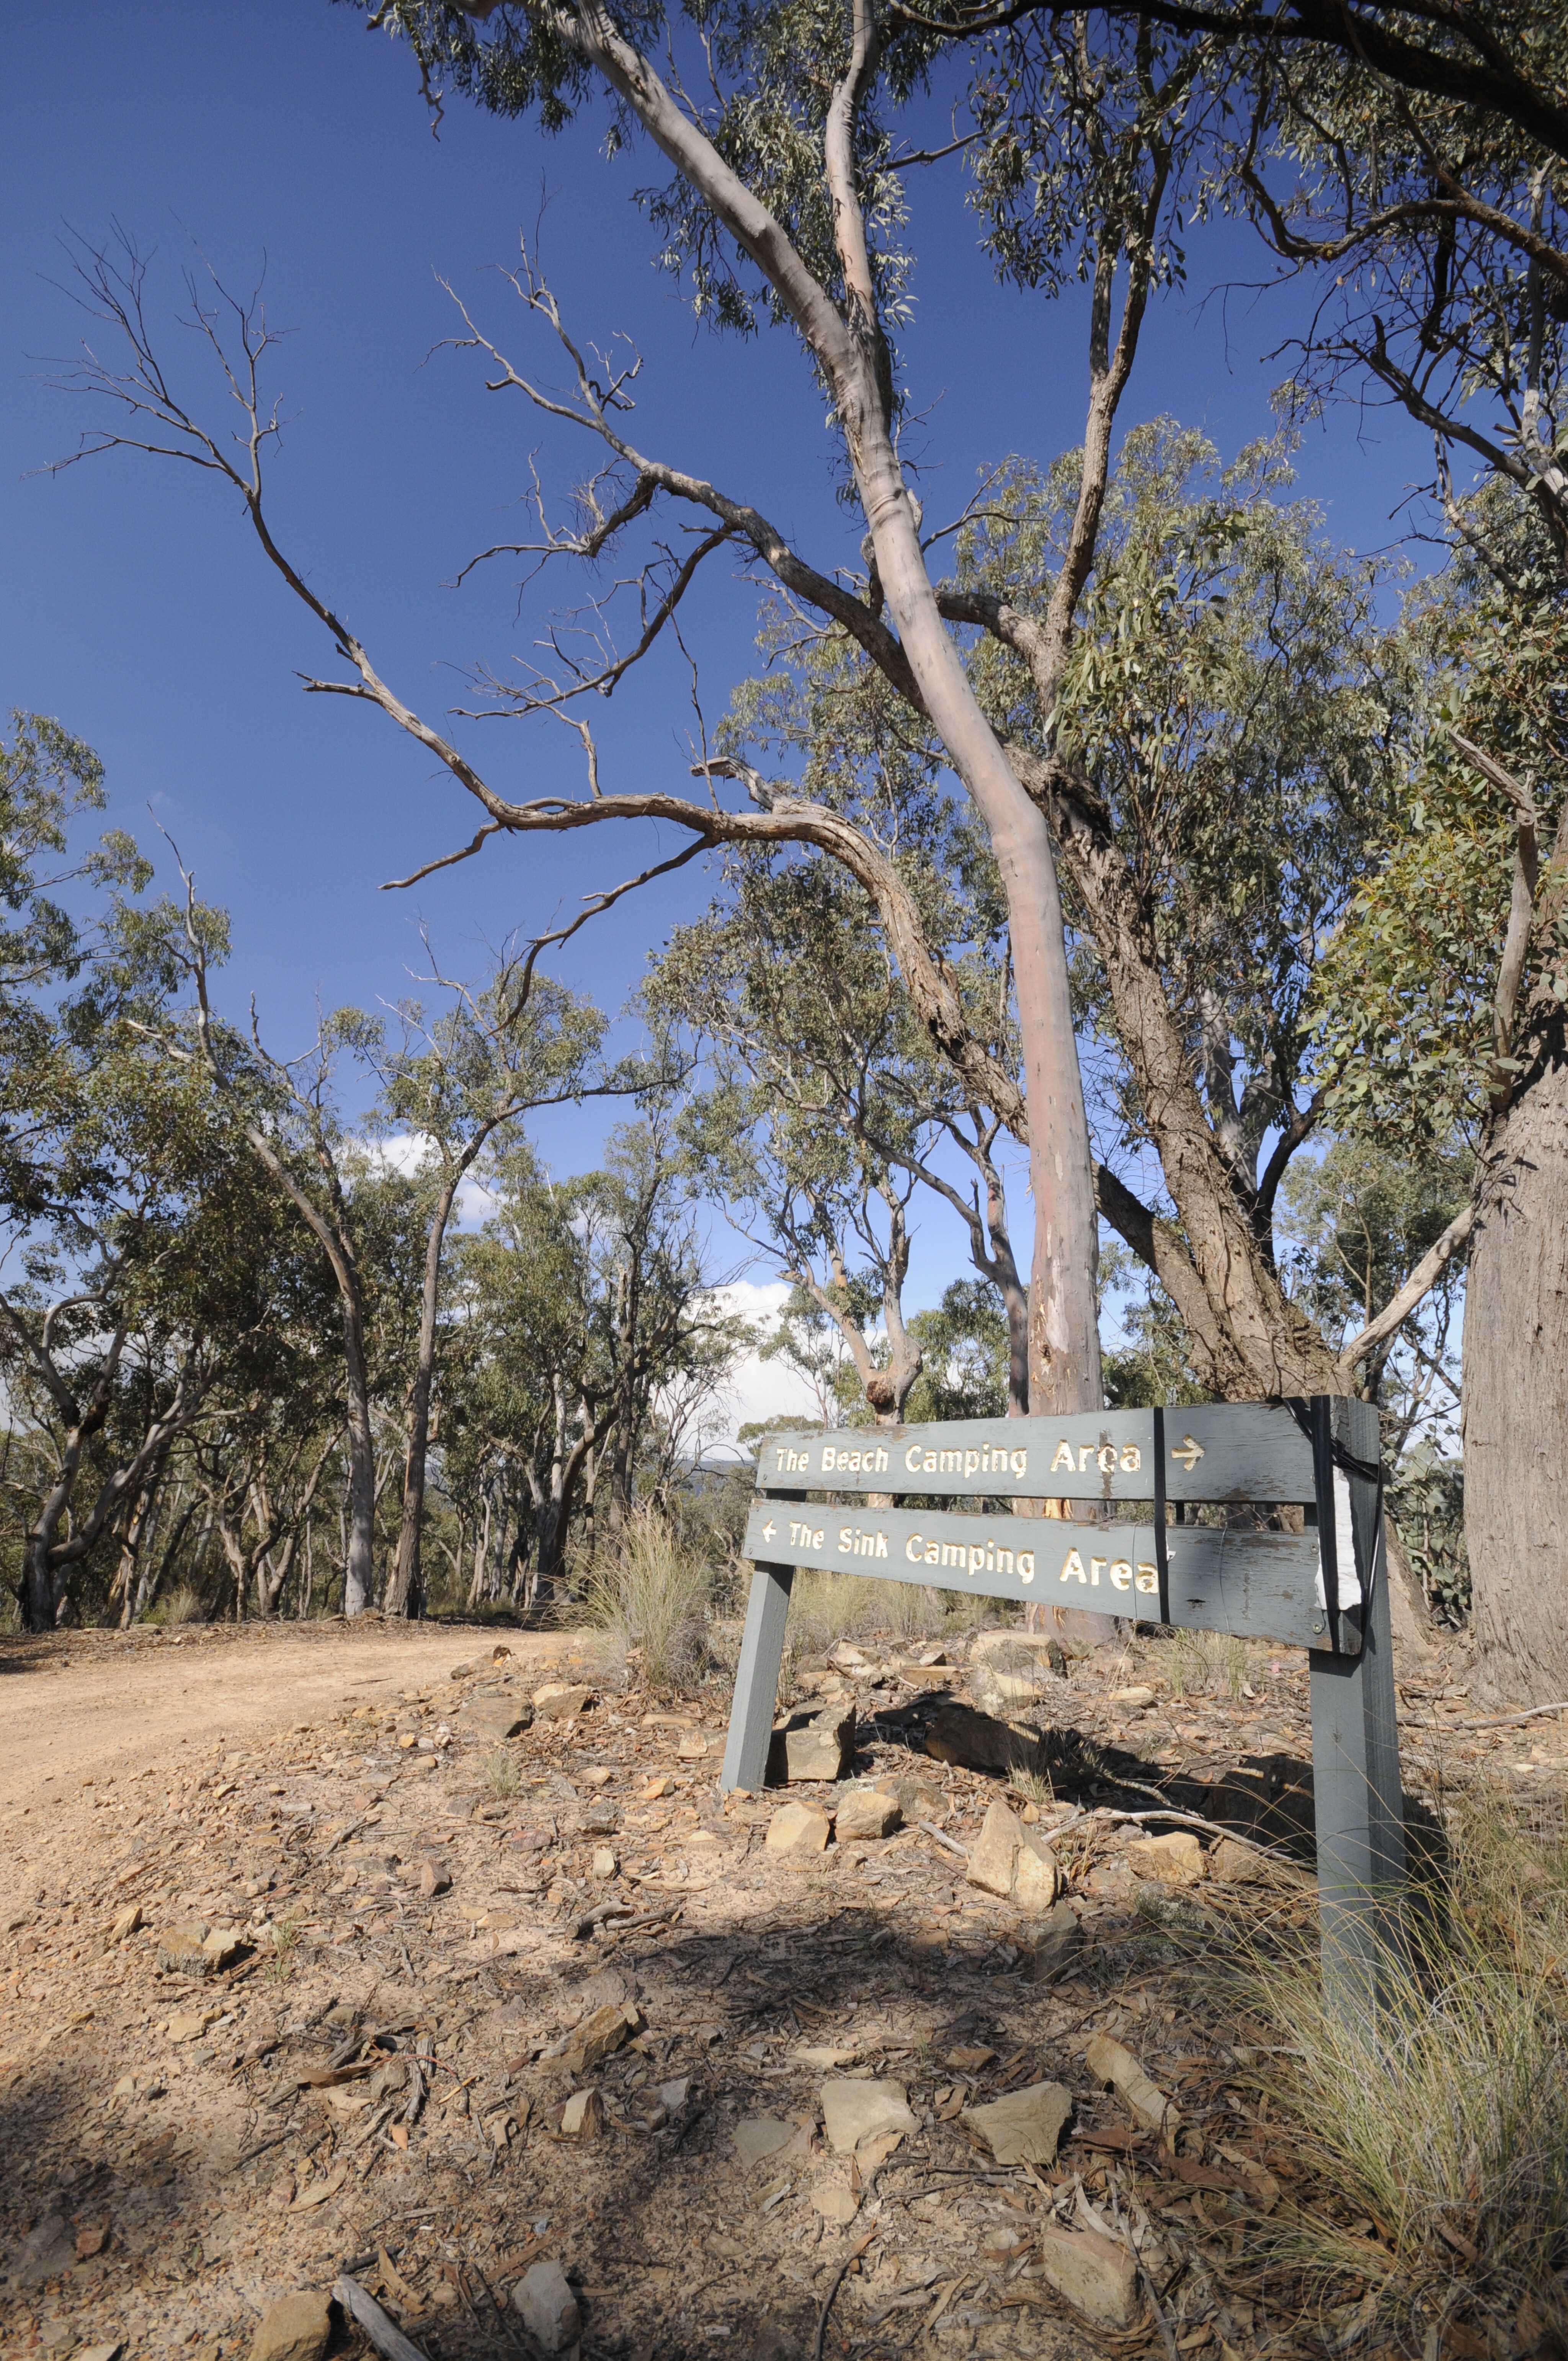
{"points": [[1516, 1401], [41, 1591]]}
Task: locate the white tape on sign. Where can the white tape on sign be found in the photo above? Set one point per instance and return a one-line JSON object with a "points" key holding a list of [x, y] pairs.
{"points": [[1345, 1550]]}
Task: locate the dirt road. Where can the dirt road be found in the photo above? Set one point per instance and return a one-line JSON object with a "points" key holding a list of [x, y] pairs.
{"points": [[79, 1706]]}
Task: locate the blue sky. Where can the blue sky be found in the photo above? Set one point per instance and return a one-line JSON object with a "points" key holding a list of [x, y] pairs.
{"points": [[140, 612]]}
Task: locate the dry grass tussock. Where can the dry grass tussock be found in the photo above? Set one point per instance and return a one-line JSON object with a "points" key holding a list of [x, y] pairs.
{"points": [[651, 1606], [827, 1608], [182, 1606], [1442, 2118]]}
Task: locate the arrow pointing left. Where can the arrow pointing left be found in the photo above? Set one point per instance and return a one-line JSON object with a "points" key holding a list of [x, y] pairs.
{"points": [[769, 1530]]}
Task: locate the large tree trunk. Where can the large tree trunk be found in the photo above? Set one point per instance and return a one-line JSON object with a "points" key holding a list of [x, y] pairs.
{"points": [[848, 343], [1516, 1399], [1064, 1335], [45, 1569]]}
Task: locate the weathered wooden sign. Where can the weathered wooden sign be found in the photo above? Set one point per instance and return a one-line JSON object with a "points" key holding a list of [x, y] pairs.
{"points": [[1228, 1451], [1313, 1465]]}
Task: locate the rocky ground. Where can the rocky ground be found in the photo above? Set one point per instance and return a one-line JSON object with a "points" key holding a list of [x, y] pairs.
{"points": [[389, 1995]]}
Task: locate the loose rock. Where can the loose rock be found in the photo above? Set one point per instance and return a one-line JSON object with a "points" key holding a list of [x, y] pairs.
{"points": [[1108, 2061], [1230, 1863], [493, 1719], [600, 2036], [1174, 1860], [821, 1748], [561, 1700], [180, 1949], [544, 2296], [1008, 1643], [917, 1798], [582, 2117], [835, 2201], [1058, 1938], [126, 1924], [1098, 2279], [433, 1879], [298, 2329], [1023, 2126], [866, 1812], [1009, 1859], [1000, 1689], [798, 1830], [853, 2112], [760, 2137], [189, 2023]]}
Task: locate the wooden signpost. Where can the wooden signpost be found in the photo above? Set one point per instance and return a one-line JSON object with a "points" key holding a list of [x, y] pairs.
{"points": [[1323, 1589]]}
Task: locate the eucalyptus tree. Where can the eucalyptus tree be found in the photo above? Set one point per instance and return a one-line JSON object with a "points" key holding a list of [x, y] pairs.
{"points": [[586, 1323], [454, 1080], [521, 1419], [289, 1114], [119, 1308], [785, 206], [141, 1286], [1440, 1009], [828, 1104], [658, 1321]]}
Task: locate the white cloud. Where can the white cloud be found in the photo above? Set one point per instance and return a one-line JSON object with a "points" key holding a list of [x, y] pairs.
{"points": [[405, 1151], [759, 1389]]}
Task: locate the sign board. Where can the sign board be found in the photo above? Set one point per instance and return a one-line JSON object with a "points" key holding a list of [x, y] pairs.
{"points": [[1222, 1452], [1315, 1580], [1264, 1586]]}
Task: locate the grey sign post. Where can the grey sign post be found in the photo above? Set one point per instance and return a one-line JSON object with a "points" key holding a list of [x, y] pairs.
{"points": [[1324, 1590]]}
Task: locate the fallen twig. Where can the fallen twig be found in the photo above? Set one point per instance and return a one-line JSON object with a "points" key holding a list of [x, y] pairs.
{"points": [[383, 2333], [931, 1829], [1504, 1720], [597, 1915], [837, 2281], [1195, 1820]]}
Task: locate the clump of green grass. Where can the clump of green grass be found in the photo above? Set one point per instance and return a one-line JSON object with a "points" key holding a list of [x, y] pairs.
{"points": [[1198, 1663], [285, 1942], [1028, 1780], [1443, 2115], [649, 1606]]}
